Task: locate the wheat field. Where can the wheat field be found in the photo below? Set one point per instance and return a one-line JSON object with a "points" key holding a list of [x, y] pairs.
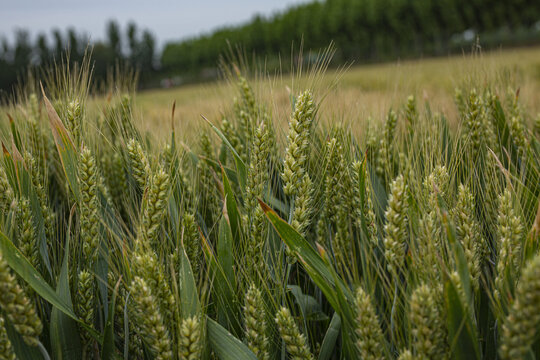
{"points": [[379, 212], [357, 91]]}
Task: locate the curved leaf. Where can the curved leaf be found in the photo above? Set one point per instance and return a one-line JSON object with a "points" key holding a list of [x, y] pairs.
{"points": [[108, 350], [329, 341], [18, 263], [188, 288], [225, 345], [65, 340], [461, 331]]}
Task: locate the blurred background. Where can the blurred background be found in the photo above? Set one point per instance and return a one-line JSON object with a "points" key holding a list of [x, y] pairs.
{"points": [[172, 43]]}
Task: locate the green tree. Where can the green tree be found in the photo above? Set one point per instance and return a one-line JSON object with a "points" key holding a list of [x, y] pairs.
{"points": [[43, 52], [58, 44], [114, 37]]}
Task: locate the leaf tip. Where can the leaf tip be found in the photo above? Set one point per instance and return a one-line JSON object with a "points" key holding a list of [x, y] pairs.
{"points": [[321, 250], [5, 150], [264, 207], [172, 115]]}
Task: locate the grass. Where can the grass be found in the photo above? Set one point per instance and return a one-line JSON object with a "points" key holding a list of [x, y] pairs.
{"points": [[286, 226]]}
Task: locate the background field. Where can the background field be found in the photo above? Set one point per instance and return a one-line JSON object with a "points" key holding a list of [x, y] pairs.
{"points": [[352, 94]]}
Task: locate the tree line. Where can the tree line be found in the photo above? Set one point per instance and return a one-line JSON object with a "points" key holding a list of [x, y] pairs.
{"points": [[131, 46], [366, 30]]}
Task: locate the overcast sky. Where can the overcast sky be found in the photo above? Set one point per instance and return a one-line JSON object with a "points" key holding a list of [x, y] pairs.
{"points": [[167, 19]]}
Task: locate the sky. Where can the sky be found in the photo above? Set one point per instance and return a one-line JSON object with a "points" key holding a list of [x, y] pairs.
{"points": [[166, 19]]}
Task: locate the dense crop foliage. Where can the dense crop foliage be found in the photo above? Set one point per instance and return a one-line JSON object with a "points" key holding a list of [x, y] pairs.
{"points": [[365, 30], [418, 241]]}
